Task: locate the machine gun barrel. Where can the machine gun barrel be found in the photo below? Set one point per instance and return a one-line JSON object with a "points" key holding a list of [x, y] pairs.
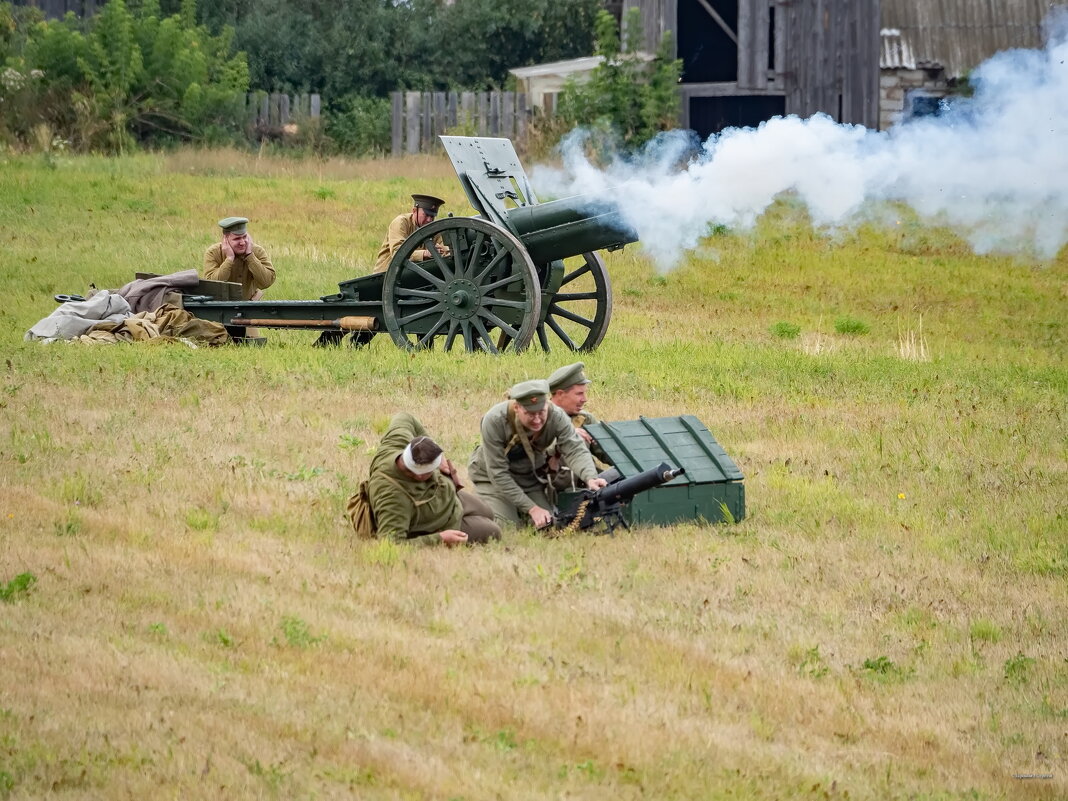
{"points": [[607, 503], [625, 489], [568, 227]]}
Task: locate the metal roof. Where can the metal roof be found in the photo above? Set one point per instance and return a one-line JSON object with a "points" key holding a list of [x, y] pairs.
{"points": [[569, 67], [958, 34]]}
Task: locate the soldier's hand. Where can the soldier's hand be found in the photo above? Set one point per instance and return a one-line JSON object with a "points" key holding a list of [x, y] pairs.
{"points": [[587, 437], [248, 245], [540, 517], [228, 252], [596, 483], [452, 536]]}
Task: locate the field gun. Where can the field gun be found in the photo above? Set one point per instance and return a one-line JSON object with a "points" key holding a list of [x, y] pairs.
{"points": [[519, 270]]}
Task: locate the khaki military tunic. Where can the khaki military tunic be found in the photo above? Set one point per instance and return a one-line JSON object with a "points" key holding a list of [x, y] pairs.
{"points": [[405, 509], [565, 479], [400, 229], [253, 271], [503, 472]]}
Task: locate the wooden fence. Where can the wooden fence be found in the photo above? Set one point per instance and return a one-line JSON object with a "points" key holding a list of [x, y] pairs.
{"points": [[270, 112], [420, 117]]}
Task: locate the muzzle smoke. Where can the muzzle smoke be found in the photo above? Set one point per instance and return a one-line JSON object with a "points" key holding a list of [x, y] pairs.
{"points": [[993, 167]]}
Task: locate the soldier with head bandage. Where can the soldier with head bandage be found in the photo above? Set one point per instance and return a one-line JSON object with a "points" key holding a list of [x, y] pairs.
{"points": [[415, 494]]}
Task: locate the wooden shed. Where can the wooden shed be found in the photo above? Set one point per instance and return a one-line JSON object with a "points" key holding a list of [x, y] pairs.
{"points": [[928, 48], [745, 61]]}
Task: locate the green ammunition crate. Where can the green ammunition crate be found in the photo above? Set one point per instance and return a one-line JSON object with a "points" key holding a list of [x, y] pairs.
{"points": [[712, 480]]}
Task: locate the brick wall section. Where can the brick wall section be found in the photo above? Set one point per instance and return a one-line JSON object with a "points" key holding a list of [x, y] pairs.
{"points": [[896, 84]]}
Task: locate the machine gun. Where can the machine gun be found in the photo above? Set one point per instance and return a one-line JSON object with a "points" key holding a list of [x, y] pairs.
{"points": [[522, 271], [607, 503]]}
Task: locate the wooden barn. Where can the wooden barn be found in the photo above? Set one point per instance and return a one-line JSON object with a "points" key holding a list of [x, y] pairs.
{"points": [[870, 62], [928, 48], [745, 61]]}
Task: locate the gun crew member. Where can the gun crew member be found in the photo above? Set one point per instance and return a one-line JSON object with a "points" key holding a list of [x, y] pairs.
{"points": [[509, 467], [238, 259], [424, 210], [414, 492], [567, 386]]}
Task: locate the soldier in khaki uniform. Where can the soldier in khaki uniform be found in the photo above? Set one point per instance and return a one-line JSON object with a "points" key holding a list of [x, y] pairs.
{"points": [[237, 258], [510, 467], [413, 496], [567, 386], [424, 210]]}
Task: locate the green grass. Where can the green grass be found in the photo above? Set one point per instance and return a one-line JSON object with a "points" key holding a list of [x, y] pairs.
{"points": [[887, 622]]}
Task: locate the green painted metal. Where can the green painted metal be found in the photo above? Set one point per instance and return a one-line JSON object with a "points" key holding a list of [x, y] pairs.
{"points": [[485, 284], [711, 482]]}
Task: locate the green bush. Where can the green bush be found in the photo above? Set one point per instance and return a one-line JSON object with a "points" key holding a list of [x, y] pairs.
{"points": [[360, 125], [625, 95], [785, 330], [851, 326], [124, 77]]}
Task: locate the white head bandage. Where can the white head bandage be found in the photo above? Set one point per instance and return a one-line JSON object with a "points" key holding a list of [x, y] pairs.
{"points": [[413, 466]]}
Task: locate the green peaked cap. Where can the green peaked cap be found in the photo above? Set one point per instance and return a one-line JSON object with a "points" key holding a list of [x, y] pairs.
{"points": [[234, 225], [568, 376], [531, 395]]}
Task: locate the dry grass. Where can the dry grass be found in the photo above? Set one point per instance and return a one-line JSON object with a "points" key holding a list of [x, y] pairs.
{"points": [[264, 164], [912, 345], [890, 621]]}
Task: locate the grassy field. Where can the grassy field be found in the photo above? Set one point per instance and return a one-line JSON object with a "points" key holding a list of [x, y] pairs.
{"points": [[183, 613]]}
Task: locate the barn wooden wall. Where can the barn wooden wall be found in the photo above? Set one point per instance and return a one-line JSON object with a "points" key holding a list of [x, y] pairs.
{"points": [[832, 59], [826, 53]]}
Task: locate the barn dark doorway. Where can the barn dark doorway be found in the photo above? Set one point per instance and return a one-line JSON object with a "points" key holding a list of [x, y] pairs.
{"points": [[708, 53], [709, 115]]}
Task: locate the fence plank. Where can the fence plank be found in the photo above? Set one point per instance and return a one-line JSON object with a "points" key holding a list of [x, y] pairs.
{"points": [[508, 114], [283, 109], [450, 114], [397, 131], [440, 122], [495, 114], [483, 111], [521, 119], [468, 111], [426, 120], [411, 103]]}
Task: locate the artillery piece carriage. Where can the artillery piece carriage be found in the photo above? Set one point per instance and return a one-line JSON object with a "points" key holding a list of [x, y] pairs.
{"points": [[519, 270]]}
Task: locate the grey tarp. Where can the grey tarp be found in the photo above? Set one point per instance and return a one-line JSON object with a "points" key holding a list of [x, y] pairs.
{"points": [[74, 318]]}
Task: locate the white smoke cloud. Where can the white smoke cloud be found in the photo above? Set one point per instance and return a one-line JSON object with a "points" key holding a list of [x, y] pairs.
{"points": [[993, 167]]}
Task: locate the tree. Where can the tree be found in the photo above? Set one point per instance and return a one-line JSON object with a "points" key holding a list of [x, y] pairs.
{"points": [[625, 94], [137, 76]]}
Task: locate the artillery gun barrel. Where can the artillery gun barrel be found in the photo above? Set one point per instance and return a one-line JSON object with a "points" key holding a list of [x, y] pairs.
{"points": [[569, 227]]}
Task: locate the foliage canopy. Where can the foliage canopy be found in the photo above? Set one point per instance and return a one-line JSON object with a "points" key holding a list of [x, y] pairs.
{"points": [[628, 95], [124, 75]]}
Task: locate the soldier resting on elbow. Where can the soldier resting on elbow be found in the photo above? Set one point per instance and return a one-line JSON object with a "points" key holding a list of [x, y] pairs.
{"points": [[414, 496]]}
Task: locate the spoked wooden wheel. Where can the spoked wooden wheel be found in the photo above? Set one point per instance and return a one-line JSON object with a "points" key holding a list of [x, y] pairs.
{"points": [[484, 293], [578, 313]]}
